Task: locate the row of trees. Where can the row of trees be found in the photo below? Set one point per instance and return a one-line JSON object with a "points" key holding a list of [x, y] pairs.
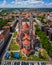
{"points": [[44, 40]]}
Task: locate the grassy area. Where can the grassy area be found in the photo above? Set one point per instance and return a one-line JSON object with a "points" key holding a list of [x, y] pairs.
{"points": [[15, 33], [34, 58], [44, 40], [14, 45], [30, 58], [25, 58], [21, 54], [43, 54]]}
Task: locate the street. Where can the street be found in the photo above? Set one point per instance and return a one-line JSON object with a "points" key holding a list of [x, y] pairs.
{"points": [[6, 45], [4, 48]]}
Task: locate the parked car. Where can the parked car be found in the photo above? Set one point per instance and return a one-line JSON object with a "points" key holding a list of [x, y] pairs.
{"points": [[31, 63], [16, 63]]}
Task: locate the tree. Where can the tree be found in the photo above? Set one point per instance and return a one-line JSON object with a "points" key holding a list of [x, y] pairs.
{"points": [[40, 56], [44, 41], [12, 54]]}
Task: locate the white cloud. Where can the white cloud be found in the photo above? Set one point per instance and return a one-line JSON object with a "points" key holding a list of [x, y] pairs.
{"points": [[27, 3], [13, 2], [4, 2]]}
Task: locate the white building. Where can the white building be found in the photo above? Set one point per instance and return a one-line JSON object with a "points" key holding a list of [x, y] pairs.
{"points": [[49, 17]]}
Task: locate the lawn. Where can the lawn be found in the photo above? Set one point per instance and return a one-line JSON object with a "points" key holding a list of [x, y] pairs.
{"points": [[15, 33], [23, 57], [14, 45]]}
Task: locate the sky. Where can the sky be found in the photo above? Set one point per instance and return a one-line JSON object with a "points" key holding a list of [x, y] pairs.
{"points": [[25, 3]]}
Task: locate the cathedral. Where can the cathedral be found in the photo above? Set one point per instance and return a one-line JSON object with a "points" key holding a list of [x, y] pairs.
{"points": [[26, 37]]}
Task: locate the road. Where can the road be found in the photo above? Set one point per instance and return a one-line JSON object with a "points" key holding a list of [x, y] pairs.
{"points": [[6, 46]]}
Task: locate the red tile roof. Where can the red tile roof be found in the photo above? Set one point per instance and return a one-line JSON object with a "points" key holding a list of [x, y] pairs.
{"points": [[18, 32], [5, 27], [9, 23], [25, 26], [1, 36], [25, 51], [33, 32], [26, 41]]}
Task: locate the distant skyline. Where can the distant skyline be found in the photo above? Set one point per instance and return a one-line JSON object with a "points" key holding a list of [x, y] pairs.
{"points": [[25, 3]]}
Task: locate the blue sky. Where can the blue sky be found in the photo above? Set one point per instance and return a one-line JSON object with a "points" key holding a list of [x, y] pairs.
{"points": [[26, 3]]}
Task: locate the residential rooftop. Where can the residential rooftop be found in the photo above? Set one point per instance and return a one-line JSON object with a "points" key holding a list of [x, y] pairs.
{"points": [[6, 27]]}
